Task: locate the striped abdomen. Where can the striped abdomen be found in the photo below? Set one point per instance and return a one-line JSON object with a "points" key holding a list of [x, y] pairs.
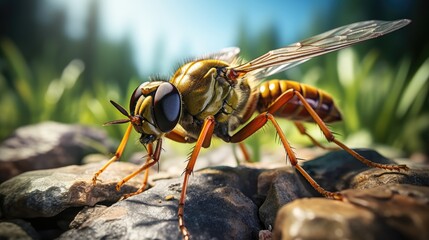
{"points": [[319, 100]]}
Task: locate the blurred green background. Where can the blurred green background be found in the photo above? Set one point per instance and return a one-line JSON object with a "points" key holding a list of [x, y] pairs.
{"points": [[64, 60]]}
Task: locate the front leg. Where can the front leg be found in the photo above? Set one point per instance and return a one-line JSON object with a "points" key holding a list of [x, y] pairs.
{"points": [[203, 139], [152, 159], [179, 135], [117, 155]]}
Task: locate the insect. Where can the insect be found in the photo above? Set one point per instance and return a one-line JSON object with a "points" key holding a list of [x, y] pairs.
{"points": [[218, 95]]}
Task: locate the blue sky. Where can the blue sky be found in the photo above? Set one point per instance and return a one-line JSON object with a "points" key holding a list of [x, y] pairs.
{"points": [[190, 27]]}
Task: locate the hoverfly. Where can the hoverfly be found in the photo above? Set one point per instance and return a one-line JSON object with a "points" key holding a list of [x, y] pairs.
{"points": [[217, 94]]}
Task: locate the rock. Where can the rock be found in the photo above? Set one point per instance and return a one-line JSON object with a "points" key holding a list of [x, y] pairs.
{"points": [[17, 229], [378, 177], [86, 213], [333, 170], [215, 209], [386, 212], [265, 235], [403, 208], [284, 186], [319, 218], [222, 202], [46, 193], [47, 145], [220, 197]]}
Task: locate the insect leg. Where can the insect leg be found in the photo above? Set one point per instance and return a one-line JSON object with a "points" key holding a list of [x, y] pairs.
{"points": [[257, 123], [203, 139], [245, 152], [242, 147], [117, 155], [146, 174], [151, 160], [179, 135], [331, 138], [303, 131]]}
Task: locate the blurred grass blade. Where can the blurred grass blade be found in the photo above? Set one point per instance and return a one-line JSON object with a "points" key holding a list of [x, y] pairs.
{"points": [[393, 96], [72, 72], [346, 67], [19, 68], [414, 88]]}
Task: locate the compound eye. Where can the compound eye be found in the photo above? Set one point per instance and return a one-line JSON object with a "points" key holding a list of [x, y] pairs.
{"points": [[166, 107], [135, 97]]}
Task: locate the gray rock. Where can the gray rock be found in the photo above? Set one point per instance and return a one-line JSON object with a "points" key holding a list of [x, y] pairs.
{"points": [[219, 203], [333, 170], [284, 186], [86, 213], [48, 145], [215, 209], [17, 229], [222, 202], [385, 212], [46, 193]]}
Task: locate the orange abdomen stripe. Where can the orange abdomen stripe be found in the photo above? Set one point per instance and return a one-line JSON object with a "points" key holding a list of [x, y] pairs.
{"points": [[320, 101]]}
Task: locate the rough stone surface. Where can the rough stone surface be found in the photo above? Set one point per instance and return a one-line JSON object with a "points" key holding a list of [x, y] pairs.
{"points": [[17, 229], [222, 202], [46, 193], [378, 177], [284, 186], [334, 170], [47, 145], [87, 213], [386, 212], [403, 208], [214, 210], [319, 218]]}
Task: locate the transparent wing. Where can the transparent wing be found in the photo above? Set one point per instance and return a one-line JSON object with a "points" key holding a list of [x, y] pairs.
{"points": [[228, 55], [278, 60]]}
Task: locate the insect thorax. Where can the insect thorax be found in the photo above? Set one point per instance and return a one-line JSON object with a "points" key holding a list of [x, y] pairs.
{"points": [[206, 93]]}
